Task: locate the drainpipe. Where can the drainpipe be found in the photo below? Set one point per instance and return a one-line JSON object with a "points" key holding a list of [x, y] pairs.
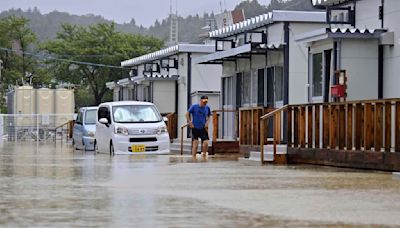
{"points": [[189, 85], [286, 79], [189, 79], [286, 65], [176, 97], [380, 71], [335, 60], [382, 10], [381, 56]]}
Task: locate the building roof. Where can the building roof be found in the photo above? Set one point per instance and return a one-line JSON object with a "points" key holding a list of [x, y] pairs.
{"points": [[328, 2], [269, 18], [173, 50], [347, 33]]}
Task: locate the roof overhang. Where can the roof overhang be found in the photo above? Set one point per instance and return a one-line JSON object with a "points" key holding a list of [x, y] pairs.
{"points": [[111, 85], [322, 3], [244, 51], [339, 33], [166, 52], [156, 77], [269, 18]]}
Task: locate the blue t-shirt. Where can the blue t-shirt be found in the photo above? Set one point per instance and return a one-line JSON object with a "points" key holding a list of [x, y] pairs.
{"points": [[199, 115]]}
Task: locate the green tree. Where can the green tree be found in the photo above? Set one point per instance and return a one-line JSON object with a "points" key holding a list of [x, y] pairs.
{"points": [[17, 42], [100, 45]]}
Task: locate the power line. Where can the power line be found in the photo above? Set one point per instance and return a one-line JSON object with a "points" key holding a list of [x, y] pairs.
{"points": [[64, 60]]}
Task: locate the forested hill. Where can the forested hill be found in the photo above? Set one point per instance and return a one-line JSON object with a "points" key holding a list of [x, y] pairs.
{"points": [[46, 26]]}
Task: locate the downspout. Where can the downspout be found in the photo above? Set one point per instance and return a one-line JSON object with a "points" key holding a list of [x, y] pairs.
{"points": [[189, 85], [189, 79], [286, 79], [286, 64], [176, 97], [380, 71], [380, 58], [335, 60]]}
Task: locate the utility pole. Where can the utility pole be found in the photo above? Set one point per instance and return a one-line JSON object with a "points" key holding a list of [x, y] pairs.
{"points": [[1, 84], [174, 28]]}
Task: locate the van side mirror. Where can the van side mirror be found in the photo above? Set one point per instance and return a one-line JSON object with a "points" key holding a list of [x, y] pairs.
{"points": [[104, 121], [165, 119]]}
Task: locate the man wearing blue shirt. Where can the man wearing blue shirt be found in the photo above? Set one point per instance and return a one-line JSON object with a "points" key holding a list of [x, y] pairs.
{"points": [[198, 117]]}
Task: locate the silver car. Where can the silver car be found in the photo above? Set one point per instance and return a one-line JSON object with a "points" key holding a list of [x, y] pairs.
{"points": [[85, 128]]}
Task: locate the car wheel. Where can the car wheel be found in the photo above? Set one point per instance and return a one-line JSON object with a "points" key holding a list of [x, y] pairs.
{"points": [[111, 149]]}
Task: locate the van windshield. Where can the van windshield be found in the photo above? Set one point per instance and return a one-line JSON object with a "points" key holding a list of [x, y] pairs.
{"points": [[90, 117], [136, 114]]}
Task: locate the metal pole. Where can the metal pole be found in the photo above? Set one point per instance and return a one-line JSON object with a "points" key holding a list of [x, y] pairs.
{"points": [[37, 131]]}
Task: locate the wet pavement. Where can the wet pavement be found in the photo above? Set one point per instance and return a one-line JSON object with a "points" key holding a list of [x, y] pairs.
{"points": [[52, 185]]}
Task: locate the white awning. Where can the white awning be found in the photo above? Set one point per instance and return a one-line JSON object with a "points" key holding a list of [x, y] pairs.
{"points": [[156, 77], [233, 53], [328, 2], [163, 53], [339, 33]]}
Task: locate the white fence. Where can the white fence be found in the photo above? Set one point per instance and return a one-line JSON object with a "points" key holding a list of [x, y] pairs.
{"points": [[35, 127]]}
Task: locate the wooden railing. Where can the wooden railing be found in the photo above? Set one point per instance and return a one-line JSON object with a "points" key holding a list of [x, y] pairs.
{"points": [[70, 129], [249, 118], [357, 125], [276, 128], [371, 125], [217, 124], [182, 127]]}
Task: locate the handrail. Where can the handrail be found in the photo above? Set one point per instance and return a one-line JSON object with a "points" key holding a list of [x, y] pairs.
{"points": [[182, 127], [263, 118], [215, 121], [61, 126], [268, 115]]}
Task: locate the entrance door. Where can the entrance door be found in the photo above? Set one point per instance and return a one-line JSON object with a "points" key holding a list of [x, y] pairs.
{"points": [[317, 78], [228, 103]]}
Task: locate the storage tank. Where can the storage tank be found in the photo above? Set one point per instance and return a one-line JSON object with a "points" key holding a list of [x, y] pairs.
{"points": [[64, 104], [45, 101], [25, 103]]}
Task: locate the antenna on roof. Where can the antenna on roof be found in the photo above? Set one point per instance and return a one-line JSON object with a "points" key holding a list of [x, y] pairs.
{"points": [[173, 30]]}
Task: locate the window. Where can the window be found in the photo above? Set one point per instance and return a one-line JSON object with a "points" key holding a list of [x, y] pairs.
{"points": [[104, 113], [260, 89], [254, 83], [135, 114], [79, 118], [90, 117], [227, 84], [279, 83], [317, 75], [246, 85]]}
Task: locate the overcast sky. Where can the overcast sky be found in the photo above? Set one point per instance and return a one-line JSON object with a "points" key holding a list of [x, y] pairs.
{"points": [[144, 12]]}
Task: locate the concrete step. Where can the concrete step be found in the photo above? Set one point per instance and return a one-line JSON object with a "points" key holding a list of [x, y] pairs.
{"points": [[256, 156], [175, 146], [280, 149]]}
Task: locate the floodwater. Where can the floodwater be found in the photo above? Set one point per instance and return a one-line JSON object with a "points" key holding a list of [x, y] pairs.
{"points": [[51, 185]]}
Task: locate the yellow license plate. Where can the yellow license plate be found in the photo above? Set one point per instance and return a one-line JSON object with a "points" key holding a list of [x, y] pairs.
{"points": [[138, 148]]}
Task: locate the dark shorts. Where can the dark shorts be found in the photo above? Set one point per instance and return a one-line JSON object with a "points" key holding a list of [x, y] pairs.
{"points": [[200, 133]]}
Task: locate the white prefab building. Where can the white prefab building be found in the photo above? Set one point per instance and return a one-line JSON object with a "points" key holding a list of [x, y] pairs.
{"points": [[171, 80], [263, 66], [361, 41]]}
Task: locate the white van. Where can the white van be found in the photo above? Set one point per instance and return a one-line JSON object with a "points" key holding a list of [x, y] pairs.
{"points": [[130, 127]]}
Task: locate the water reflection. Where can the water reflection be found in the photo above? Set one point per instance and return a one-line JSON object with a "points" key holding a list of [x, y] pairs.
{"points": [[52, 185]]}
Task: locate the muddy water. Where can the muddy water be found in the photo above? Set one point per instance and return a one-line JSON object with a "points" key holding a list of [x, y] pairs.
{"points": [[50, 185]]}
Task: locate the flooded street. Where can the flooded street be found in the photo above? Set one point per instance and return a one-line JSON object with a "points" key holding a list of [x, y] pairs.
{"points": [[54, 186]]}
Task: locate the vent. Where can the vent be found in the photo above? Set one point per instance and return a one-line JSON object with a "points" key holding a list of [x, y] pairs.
{"points": [[151, 139]]}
